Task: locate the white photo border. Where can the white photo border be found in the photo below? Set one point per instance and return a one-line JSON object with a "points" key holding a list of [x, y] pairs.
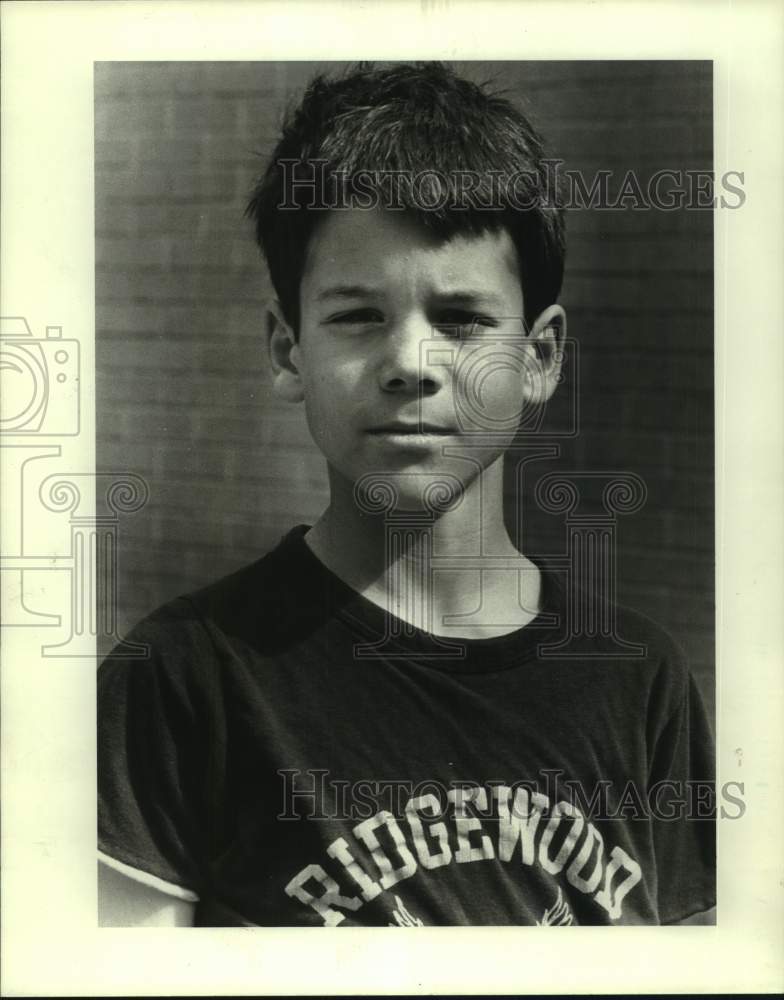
{"points": [[51, 944]]}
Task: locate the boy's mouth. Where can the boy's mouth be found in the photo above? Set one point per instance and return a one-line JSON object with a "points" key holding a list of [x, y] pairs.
{"points": [[418, 429]]}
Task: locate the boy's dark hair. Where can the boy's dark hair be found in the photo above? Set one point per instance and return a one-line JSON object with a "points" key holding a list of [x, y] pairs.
{"points": [[469, 162]]}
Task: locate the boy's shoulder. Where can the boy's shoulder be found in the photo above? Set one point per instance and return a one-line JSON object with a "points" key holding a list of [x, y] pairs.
{"points": [[635, 626], [658, 649], [252, 588], [625, 642], [607, 625], [235, 604]]}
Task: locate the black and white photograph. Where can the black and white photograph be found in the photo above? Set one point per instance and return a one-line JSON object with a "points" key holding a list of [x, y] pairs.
{"points": [[407, 667], [392, 472]]}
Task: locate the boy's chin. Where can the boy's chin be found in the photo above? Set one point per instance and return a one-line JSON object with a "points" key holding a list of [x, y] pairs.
{"points": [[408, 492]]}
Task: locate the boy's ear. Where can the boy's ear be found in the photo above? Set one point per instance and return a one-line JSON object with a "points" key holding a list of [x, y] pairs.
{"points": [[547, 337], [284, 355]]}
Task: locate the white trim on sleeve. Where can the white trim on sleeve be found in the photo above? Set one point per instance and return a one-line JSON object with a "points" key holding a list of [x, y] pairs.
{"points": [[146, 879]]}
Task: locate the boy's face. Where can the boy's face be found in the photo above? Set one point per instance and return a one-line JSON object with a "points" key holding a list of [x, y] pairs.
{"points": [[396, 377]]}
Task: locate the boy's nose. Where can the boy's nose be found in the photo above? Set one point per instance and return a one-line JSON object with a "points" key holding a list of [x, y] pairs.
{"points": [[405, 367]]}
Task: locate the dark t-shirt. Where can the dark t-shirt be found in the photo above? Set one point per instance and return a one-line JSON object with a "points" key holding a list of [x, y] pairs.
{"points": [[290, 754]]}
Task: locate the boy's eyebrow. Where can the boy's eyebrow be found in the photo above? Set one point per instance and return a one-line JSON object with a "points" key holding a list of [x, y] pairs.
{"points": [[347, 292], [455, 297], [465, 297]]}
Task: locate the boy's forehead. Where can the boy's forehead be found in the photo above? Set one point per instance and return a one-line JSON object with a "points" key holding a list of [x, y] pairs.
{"points": [[359, 246]]}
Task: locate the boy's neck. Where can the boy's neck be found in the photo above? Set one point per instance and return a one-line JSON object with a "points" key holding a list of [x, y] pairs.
{"points": [[394, 567]]}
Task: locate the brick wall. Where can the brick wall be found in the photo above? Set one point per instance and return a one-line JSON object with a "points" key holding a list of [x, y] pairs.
{"points": [[182, 390]]}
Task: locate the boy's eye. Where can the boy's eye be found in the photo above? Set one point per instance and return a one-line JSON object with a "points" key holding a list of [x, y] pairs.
{"points": [[358, 316], [463, 321], [456, 321]]}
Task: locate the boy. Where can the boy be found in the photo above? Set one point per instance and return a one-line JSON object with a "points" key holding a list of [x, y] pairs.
{"points": [[372, 725]]}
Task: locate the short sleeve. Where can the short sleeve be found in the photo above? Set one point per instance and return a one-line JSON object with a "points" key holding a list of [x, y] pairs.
{"points": [[683, 803], [158, 754]]}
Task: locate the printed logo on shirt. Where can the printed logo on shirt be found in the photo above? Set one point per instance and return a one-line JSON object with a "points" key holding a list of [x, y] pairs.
{"points": [[559, 914], [528, 831], [402, 916]]}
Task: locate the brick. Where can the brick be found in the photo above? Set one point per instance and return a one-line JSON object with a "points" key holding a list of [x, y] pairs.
{"points": [[607, 99], [156, 421], [644, 291], [161, 355], [663, 330], [621, 74], [112, 154], [593, 254], [173, 183], [133, 79], [178, 284], [219, 252], [664, 373], [649, 226], [200, 114], [143, 251], [122, 116]]}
